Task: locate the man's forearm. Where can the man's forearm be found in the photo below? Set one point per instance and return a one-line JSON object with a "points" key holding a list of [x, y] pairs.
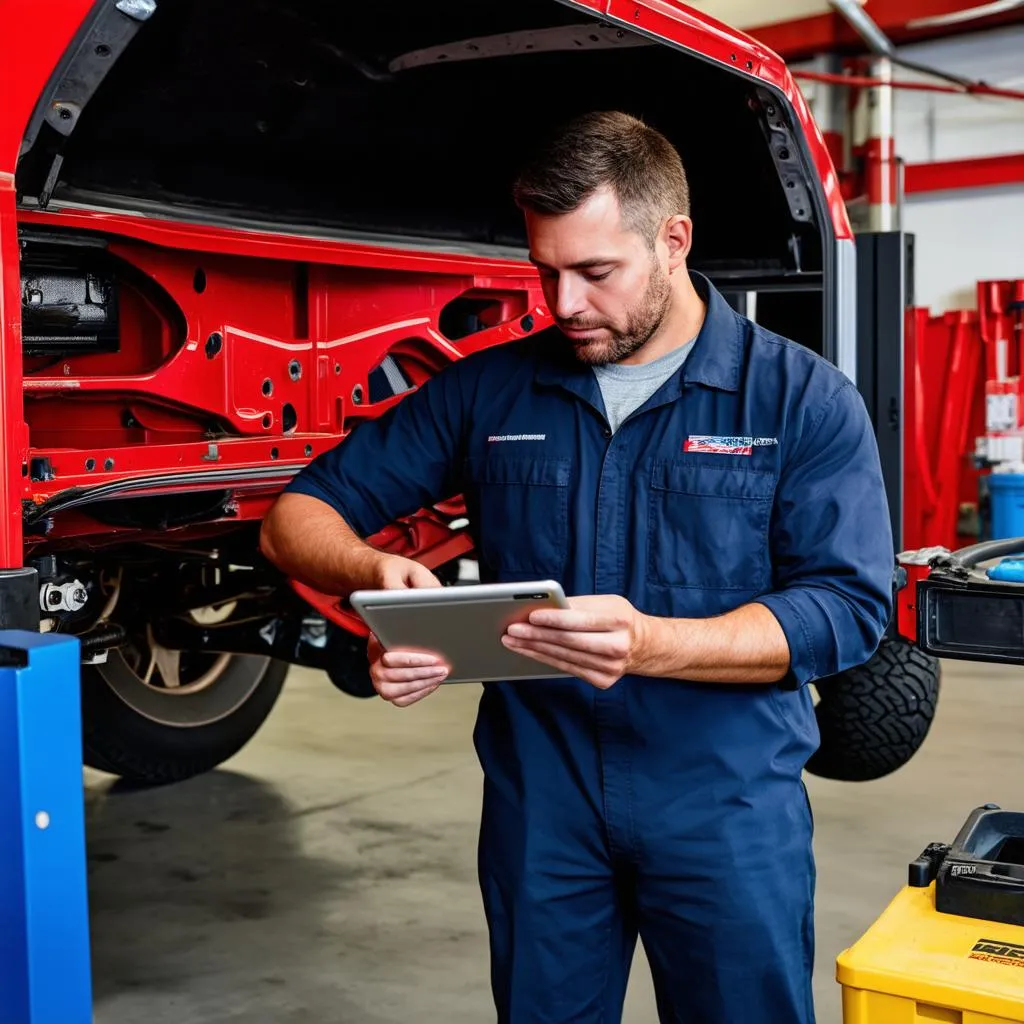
{"points": [[307, 539], [743, 646]]}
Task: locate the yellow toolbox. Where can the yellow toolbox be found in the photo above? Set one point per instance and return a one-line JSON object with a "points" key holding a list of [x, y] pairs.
{"points": [[950, 946]]}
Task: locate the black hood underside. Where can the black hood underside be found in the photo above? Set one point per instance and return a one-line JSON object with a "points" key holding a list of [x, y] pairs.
{"points": [[408, 120]]}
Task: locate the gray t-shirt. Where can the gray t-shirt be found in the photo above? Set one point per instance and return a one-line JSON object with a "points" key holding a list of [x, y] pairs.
{"points": [[625, 388]]}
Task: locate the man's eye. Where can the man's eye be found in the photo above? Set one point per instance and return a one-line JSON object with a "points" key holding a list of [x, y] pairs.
{"points": [[598, 277]]}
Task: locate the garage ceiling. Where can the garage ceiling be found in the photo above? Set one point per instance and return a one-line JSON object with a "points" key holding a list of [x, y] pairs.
{"points": [[802, 28]]}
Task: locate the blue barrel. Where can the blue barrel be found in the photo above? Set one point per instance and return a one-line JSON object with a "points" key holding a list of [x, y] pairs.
{"points": [[1007, 502]]}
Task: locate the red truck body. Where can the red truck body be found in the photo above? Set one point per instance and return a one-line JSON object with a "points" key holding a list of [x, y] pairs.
{"points": [[225, 241]]}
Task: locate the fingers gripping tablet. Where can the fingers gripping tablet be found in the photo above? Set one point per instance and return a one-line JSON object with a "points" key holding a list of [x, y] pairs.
{"points": [[462, 624]]}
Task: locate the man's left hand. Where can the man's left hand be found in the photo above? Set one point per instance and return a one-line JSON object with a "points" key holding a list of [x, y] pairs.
{"points": [[597, 638]]}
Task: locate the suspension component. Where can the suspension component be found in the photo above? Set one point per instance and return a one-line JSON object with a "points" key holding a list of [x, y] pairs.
{"points": [[63, 597]]}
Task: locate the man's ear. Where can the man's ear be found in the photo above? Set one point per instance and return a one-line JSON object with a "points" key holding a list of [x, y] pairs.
{"points": [[678, 235]]}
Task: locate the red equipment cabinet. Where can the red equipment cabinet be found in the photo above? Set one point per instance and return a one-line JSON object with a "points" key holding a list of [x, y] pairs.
{"points": [[1001, 325], [962, 402]]}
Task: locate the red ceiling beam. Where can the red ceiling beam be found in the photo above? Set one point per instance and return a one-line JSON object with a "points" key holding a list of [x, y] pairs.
{"points": [[863, 82], [955, 175], [830, 33]]}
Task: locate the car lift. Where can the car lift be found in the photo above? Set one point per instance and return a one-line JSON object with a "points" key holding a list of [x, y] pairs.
{"points": [[44, 921]]}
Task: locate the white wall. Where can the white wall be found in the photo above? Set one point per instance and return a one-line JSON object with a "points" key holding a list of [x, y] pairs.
{"points": [[963, 237], [940, 126], [960, 239]]}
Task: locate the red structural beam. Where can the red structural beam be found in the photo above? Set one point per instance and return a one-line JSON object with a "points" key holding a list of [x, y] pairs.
{"points": [[830, 33], [862, 82], [952, 175]]}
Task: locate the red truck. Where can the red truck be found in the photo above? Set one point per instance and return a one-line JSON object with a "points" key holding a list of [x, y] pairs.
{"points": [[230, 230]]}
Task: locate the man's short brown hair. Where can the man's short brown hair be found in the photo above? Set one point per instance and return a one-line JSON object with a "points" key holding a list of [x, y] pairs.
{"points": [[613, 149]]}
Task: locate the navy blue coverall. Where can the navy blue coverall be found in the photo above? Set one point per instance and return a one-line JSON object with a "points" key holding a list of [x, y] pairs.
{"points": [[669, 808]]}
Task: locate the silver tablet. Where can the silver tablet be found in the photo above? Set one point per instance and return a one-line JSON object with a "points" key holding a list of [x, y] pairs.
{"points": [[463, 624]]}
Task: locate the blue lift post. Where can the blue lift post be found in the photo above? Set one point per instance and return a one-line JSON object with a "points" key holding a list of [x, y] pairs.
{"points": [[45, 974]]}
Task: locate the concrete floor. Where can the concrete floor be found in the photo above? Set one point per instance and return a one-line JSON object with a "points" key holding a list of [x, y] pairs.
{"points": [[327, 874]]}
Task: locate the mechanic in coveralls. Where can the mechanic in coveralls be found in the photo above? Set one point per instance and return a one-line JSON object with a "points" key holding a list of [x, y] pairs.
{"points": [[710, 496]]}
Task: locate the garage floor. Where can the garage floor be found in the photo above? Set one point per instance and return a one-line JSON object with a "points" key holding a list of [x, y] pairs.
{"points": [[327, 874]]}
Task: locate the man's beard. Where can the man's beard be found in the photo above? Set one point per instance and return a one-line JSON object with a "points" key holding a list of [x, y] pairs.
{"points": [[642, 320]]}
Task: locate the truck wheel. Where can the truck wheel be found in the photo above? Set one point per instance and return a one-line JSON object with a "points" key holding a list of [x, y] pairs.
{"points": [[874, 718], [155, 716]]}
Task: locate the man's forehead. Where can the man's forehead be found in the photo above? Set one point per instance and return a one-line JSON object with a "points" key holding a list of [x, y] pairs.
{"points": [[599, 212], [590, 235]]}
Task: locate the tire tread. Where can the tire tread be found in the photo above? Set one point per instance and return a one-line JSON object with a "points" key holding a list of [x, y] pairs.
{"points": [[874, 718]]}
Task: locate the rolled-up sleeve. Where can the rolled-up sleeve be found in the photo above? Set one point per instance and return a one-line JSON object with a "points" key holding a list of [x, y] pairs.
{"points": [[831, 544], [393, 465]]}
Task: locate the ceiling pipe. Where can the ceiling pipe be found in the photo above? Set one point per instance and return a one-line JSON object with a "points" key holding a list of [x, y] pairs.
{"points": [[969, 14], [864, 25], [880, 44]]}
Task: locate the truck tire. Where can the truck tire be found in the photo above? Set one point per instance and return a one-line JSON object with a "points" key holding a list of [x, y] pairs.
{"points": [[154, 736], [874, 718]]}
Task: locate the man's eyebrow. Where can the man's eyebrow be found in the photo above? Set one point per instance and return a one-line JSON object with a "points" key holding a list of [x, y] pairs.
{"points": [[594, 261]]}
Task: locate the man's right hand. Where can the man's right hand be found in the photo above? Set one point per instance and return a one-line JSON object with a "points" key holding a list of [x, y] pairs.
{"points": [[393, 572], [404, 677], [306, 538]]}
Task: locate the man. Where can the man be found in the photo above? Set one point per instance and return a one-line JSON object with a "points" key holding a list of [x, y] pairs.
{"points": [[710, 496]]}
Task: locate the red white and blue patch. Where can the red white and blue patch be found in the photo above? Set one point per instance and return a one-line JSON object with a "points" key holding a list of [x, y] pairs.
{"points": [[725, 445]]}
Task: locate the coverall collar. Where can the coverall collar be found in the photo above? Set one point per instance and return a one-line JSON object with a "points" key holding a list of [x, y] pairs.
{"points": [[715, 360]]}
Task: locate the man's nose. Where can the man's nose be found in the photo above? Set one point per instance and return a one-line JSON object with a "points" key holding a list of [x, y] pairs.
{"points": [[569, 300]]}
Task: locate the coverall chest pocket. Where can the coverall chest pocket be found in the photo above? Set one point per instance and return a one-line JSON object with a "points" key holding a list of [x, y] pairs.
{"points": [[522, 510], [708, 525]]}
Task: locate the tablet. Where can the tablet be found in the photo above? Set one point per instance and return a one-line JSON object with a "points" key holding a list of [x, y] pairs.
{"points": [[463, 624]]}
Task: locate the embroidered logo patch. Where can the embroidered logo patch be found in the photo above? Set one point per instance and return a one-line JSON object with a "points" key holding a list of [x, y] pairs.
{"points": [[726, 445]]}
